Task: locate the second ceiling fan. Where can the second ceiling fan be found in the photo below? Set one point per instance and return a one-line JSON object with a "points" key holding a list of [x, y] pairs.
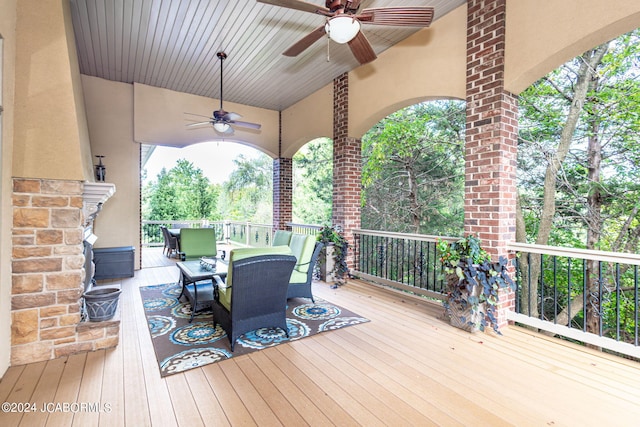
{"points": [[223, 121], [343, 23]]}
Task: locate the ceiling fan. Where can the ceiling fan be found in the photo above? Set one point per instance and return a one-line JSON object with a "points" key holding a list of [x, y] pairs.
{"points": [[343, 23], [223, 121]]}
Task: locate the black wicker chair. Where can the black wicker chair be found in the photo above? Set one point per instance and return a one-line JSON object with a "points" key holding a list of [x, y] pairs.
{"points": [[303, 289], [259, 295], [170, 242]]}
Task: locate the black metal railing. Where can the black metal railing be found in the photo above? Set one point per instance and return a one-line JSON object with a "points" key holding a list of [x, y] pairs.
{"points": [[591, 296], [405, 261]]}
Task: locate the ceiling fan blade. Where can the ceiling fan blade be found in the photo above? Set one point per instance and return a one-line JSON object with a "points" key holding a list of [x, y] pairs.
{"points": [[231, 116], [305, 42], [398, 16], [199, 115], [361, 49], [198, 124], [297, 5], [246, 124]]}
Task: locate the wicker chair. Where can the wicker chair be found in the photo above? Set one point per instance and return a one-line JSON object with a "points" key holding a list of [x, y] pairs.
{"points": [[300, 281], [259, 284], [171, 244]]}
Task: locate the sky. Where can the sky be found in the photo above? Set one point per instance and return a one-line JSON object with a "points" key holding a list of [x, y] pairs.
{"points": [[214, 158]]}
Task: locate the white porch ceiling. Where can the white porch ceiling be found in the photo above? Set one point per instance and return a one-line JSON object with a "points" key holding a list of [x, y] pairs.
{"points": [[172, 44]]}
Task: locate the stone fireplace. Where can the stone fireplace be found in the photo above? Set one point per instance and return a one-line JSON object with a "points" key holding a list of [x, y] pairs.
{"points": [[52, 219]]}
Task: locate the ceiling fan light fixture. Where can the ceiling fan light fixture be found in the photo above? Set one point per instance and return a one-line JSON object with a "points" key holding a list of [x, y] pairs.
{"points": [[342, 28], [221, 127]]}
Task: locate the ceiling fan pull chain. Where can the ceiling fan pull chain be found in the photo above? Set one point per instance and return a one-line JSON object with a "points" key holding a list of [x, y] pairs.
{"points": [[328, 41]]}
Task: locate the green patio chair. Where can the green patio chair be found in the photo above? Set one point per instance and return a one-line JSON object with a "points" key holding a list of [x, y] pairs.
{"points": [[196, 243], [281, 238]]}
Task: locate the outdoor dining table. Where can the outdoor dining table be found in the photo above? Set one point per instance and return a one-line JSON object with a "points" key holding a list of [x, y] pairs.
{"points": [[197, 282]]}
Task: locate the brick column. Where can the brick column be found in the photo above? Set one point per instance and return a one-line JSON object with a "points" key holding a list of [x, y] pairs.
{"points": [[282, 192], [347, 167], [491, 135], [47, 274]]}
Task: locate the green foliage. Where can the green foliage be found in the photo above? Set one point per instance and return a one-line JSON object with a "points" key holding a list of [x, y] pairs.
{"points": [[415, 158], [472, 267], [248, 194], [313, 182], [182, 193], [331, 235], [611, 115]]}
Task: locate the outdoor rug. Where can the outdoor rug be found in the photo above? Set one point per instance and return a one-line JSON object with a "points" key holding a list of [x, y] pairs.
{"points": [[180, 345]]}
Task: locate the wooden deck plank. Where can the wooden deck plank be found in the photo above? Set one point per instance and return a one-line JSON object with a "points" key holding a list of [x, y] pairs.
{"points": [[403, 367], [306, 407], [296, 373], [184, 405], [89, 388], [234, 409], [161, 406], [9, 380], [205, 399], [112, 393], [348, 396], [137, 403], [272, 397], [253, 401], [22, 391], [67, 392]]}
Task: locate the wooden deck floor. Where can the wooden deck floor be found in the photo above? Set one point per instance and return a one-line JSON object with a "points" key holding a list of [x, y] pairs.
{"points": [[404, 368]]}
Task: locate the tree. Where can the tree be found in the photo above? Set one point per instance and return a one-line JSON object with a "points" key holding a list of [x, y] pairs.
{"points": [[413, 171], [313, 182], [248, 194], [578, 128], [181, 193]]}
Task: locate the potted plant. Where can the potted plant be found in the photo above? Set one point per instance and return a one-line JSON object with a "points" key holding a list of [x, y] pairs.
{"points": [[473, 283], [333, 258]]}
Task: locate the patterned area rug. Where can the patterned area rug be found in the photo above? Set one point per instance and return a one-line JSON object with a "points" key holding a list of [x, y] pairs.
{"points": [[180, 345]]}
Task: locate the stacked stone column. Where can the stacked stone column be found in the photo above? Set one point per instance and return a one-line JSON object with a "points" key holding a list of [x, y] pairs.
{"points": [[47, 274], [491, 135]]}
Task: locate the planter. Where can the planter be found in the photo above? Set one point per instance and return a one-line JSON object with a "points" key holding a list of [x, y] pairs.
{"points": [[326, 264], [101, 303], [461, 313]]}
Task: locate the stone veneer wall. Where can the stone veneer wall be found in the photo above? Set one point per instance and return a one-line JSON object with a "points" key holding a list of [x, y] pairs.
{"points": [[491, 136], [47, 274], [347, 167]]}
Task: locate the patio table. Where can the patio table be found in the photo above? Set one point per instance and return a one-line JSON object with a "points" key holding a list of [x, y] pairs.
{"points": [[197, 282]]}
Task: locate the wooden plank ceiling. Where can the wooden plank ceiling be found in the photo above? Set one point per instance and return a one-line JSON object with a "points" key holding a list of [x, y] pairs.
{"points": [[173, 43]]}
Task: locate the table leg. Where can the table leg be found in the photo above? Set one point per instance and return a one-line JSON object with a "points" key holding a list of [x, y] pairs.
{"points": [[195, 300]]}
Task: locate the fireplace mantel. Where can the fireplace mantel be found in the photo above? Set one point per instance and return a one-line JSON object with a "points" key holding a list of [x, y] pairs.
{"points": [[94, 195]]}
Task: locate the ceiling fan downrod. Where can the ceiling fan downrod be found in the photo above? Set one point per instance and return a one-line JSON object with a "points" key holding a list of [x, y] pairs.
{"points": [[222, 57]]}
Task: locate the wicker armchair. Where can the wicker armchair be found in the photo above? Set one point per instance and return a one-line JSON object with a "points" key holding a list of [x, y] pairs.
{"points": [[254, 295]]}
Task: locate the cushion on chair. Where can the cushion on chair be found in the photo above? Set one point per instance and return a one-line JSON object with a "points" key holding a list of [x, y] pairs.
{"points": [[224, 290], [302, 246], [198, 242], [281, 238]]}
